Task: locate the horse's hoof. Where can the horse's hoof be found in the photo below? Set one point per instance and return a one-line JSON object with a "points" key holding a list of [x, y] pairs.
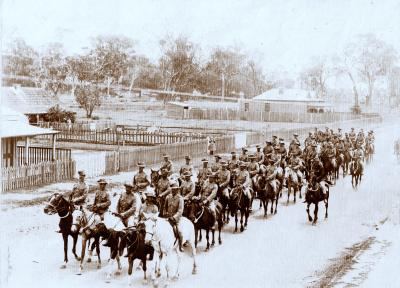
{"points": [[145, 281], [98, 266], [212, 244], [175, 278], [78, 258], [309, 219], [275, 212], [194, 271], [89, 260], [241, 229], [207, 249], [118, 272], [220, 242], [63, 266]]}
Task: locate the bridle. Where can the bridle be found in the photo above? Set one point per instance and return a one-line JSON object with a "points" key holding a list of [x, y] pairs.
{"points": [[57, 207]]}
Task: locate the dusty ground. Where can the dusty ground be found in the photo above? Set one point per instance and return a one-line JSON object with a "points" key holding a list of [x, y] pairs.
{"points": [[357, 246]]}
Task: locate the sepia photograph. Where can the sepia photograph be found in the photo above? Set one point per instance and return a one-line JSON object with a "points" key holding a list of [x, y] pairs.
{"points": [[201, 144]]}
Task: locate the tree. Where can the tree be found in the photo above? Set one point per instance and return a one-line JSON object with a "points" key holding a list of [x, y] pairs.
{"points": [[57, 114], [88, 97], [111, 55], [53, 69], [314, 78], [19, 59], [179, 64], [368, 58]]}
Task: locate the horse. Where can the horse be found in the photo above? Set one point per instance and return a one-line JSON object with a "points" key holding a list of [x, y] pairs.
{"points": [[356, 172], [88, 229], [329, 164], [314, 195], [268, 194], [58, 204], [160, 235], [346, 161], [239, 201], [369, 151], [203, 219], [292, 181], [223, 200], [339, 163], [114, 239]]}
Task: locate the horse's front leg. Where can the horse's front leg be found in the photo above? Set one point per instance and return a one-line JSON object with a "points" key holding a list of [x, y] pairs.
{"points": [[276, 204], [213, 236], [84, 240], [207, 237], [196, 234], [315, 214], [236, 221], [75, 240], [241, 220], [97, 241], [308, 212], [65, 239], [288, 192], [326, 208]]}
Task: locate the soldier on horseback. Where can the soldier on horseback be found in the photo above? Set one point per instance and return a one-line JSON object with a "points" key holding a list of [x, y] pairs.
{"points": [[79, 191], [101, 202], [174, 210], [203, 173], [270, 174], [208, 194], [308, 140], [352, 136], [187, 186], [141, 180], [149, 206], [127, 206], [296, 165], [268, 150], [282, 151], [167, 164], [233, 163], [216, 165], [187, 167], [253, 169], [243, 157], [295, 151], [223, 179], [275, 141], [243, 179], [259, 155], [358, 155]]}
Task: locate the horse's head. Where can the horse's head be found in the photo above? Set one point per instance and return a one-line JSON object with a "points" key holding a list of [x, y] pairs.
{"points": [[154, 176], [150, 224], [55, 204], [194, 209]]}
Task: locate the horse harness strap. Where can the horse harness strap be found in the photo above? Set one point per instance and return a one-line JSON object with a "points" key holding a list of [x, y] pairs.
{"points": [[201, 214]]}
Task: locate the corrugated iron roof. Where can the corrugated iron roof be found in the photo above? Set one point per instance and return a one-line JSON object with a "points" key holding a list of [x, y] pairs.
{"points": [[15, 124], [288, 95], [27, 100]]}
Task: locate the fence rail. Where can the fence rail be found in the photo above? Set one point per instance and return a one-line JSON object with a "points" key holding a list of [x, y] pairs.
{"points": [[28, 176], [41, 154]]}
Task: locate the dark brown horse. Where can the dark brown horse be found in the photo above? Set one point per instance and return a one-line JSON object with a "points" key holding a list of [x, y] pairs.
{"points": [[356, 171], [202, 218], [268, 194], [239, 202], [59, 205], [314, 195]]}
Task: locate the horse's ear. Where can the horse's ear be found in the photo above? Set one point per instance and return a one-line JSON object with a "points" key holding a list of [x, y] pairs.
{"points": [[155, 216], [145, 215]]}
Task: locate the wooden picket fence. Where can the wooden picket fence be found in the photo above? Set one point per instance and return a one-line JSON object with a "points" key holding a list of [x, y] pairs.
{"points": [[127, 160], [41, 154], [28, 176]]}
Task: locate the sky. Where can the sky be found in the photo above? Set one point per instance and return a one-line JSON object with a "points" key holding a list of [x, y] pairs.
{"points": [[280, 35]]}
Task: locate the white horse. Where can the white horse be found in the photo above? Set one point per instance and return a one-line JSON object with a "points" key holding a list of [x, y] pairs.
{"points": [[160, 235]]}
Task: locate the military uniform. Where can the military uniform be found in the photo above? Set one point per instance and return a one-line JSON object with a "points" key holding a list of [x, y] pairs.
{"points": [[141, 180], [233, 164], [79, 193], [270, 174], [101, 202], [215, 167], [127, 205], [167, 165], [223, 180], [162, 185], [202, 176], [188, 189], [185, 168], [259, 157], [174, 207], [244, 157]]}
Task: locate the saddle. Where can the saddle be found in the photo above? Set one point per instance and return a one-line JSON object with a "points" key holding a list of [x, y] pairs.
{"points": [[176, 232]]}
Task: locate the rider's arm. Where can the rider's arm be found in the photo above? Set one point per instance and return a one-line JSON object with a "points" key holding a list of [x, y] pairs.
{"points": [[179, 212], [104, 204], [213, 194], [228, 179], [166, 192], [191, 193]]}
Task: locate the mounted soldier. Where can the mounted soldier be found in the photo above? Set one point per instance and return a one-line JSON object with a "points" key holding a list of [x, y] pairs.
{"points": [[208, 194], [308, 140], [270, 175], [360, 139], [101, 200], [167, 164], [223, 179], [141, 180], [174, 210], [295, 142], [187, 167], [243, 179], [268, 150], [216, 165], [128, 205], [163, 183], [352, 136], [296, 151], [150, 206], [203, 173], [253, 169], [275, 140], [282, 151], [244, 157], [187, 186], [296, 165], [79, 191], [339, 133], [259, 155], [233, 164]]}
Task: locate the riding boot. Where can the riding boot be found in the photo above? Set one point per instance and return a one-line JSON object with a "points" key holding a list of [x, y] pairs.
{"points": [[180, 240]]}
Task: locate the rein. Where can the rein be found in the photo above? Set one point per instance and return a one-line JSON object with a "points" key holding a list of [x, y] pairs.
{"points": [[201, 214]]}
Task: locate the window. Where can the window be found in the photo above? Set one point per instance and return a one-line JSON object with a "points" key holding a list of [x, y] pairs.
{"points": [[267, 107], [246, 107]]}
